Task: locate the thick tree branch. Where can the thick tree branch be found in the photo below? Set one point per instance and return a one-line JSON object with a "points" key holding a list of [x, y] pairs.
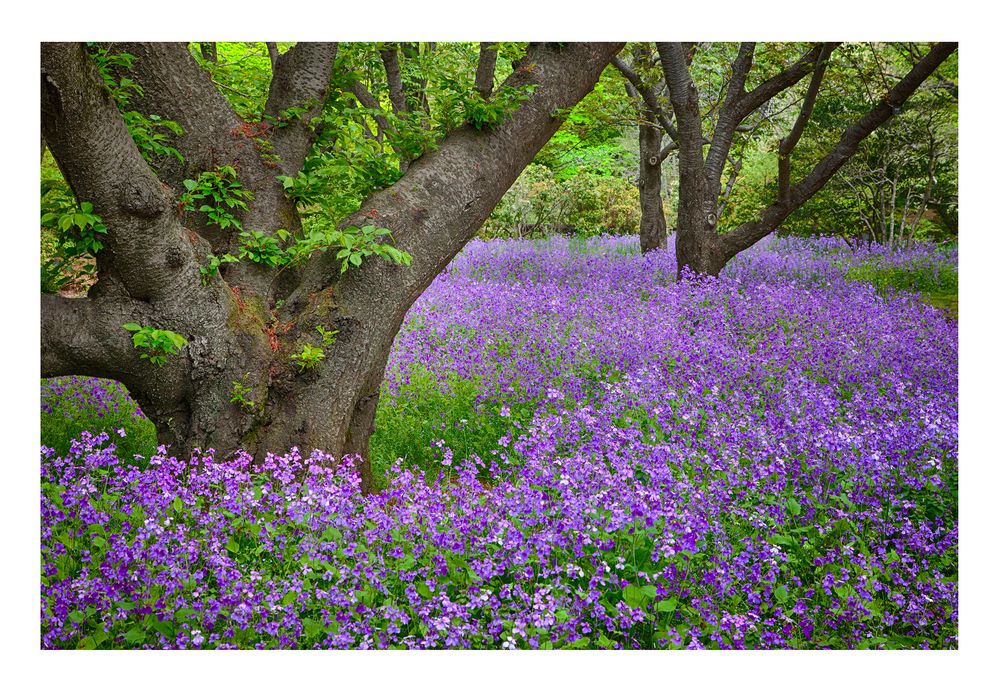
{"points": [[88, 138], [752, 100], [84, 336], [788, 144], [274, 55], [393, 75], [686, 108], [771, 217], [728, 116], [446, 195], [301, 81], [648, 96], [486, 69], [174, 87]]}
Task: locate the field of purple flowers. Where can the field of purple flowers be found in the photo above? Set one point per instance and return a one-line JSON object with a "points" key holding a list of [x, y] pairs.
{"points": [[577, 452]]}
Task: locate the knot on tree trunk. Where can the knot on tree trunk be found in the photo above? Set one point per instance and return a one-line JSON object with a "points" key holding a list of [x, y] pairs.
{"points": [[142, 200]]}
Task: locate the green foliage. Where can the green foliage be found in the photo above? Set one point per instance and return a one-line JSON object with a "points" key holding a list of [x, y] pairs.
{"points": [[309, 357], [328, 336], [157, 343], [916, 277], [361, 242], [482, 113], [71, 233], [70, 406], [586, 204], [262, 249], [151, 133], [242, 72], [241, 396], [78, 226], [220, 194], [212, 268]]}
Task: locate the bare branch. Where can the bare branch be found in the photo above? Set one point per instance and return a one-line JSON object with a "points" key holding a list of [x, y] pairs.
{"points": [[728, 117], [272, 51], [393, 74], [767, 90], [686, 108], [648, 96], [209, 51]]}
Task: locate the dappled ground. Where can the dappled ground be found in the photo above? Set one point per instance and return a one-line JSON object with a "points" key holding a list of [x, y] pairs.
{"points": [[575, 452]]}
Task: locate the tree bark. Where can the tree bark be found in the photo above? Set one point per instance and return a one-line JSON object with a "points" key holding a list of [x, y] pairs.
{"points": [[150, 267], [485, 69], [652, 229]]}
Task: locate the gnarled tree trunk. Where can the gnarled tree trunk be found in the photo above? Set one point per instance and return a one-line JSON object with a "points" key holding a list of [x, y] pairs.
{"points": [[245, 324]]}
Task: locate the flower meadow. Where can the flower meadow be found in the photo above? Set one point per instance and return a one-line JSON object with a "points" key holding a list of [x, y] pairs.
{"points": [[576, 451]]}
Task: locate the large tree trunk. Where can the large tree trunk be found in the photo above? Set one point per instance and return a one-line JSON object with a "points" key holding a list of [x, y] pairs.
{"points": [[652, 229], [244, 327]]}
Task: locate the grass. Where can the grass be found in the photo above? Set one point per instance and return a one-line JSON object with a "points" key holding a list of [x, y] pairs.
{"points": [[427, 416], [936, 282], [72, 405]]}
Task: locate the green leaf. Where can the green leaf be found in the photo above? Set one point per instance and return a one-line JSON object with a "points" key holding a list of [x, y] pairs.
{"points": [[422, 589], [311, 627], [635, 596], [793, 507], [232, 545], [136, 635], [780, 593], [131, 326], [667, 606]]}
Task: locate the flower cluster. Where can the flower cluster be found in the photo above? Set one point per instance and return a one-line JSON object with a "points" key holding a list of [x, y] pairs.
{"points": [[765, 460]]}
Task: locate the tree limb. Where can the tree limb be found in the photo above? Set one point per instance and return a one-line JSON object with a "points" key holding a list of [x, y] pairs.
{"points": [[393, 75], [771, 217], [686, 107], [144, 245], [174, 87], [752, 100], [649, 98], [301, 80], [486, 69], [446, 195], [368, 100], [788, 144], [728, 117]]}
